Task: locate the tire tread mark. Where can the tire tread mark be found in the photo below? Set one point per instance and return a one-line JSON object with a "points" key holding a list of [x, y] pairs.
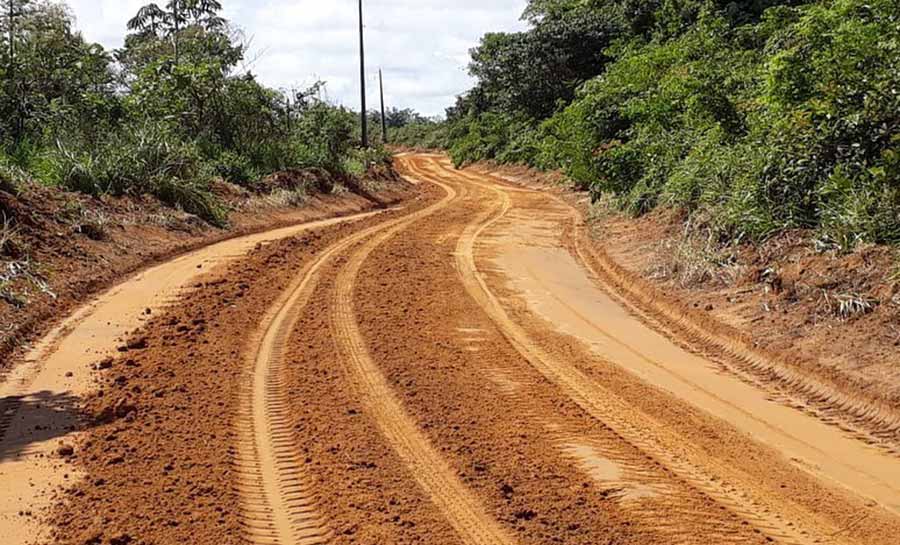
{"points": [[461, 508], [633, 426], [278, 497]]}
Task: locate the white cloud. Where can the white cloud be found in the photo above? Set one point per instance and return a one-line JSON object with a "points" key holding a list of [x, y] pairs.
{"points": [[422, 45]]}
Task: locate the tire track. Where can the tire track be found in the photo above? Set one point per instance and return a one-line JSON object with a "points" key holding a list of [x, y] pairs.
{"points": [[712, 478], [869, 420], [279, 498], [672, 510], [430, 470], [666, 505]]}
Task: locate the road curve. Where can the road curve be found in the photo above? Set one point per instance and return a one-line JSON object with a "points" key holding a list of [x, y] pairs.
{"points": [[829, 454], [456, 371], [59, 372]]}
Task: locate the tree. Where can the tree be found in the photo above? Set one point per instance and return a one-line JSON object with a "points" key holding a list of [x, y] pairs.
{"points": [[397, 118], [151, 20], [531, 72], [15, 11], [53, 78]]}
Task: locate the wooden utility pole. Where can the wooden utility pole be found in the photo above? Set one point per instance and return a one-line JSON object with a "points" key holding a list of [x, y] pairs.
{"points": [[383, 116], [362, 80], [177, 22]]}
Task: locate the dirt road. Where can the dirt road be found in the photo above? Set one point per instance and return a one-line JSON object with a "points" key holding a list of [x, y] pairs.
{"points": [[454, 370]]}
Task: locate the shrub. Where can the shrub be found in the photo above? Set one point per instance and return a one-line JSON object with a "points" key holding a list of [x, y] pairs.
{"points": [[754, 117], [427, 135], [233, 167], [359, 161], [11, 177], [146, 159], [192, 196]]}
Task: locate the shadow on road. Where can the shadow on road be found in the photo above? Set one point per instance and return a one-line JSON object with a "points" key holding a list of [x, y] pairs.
{"points": [[35, 418]]}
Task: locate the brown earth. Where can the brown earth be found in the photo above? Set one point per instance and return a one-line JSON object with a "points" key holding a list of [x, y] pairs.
{"points": [[814, 315], [468, 368], [60, 248]]}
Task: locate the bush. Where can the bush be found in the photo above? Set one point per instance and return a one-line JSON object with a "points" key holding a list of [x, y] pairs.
{"points": [[359, 161], [192, 196], [755, 117], [145, 120], [427, 135], [480, 137], [234, 167], [147, 159], [11, 177], [787, 123]]}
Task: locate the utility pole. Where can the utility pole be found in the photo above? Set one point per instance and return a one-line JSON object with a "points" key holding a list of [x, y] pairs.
{"points": [[177, 22], [383, 117], [362, 80]]}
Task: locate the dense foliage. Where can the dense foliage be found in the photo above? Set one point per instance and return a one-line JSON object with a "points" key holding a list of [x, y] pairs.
{"points": [[164, 115], [755, 116]]}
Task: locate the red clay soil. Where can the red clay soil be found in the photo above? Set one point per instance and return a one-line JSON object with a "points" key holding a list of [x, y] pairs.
{"points": [[513, 455], [61, 247], [158, 444], [365, 492], [781, 297], [506, 448]]}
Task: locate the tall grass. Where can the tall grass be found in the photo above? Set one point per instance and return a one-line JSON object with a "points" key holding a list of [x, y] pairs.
{"points": [[136, 160]]}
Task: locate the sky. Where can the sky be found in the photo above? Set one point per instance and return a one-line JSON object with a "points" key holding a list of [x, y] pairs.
{"points": [[422, 45]]}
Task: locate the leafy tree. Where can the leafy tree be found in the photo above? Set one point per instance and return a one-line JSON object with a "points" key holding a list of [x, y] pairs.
{"points": [[754, 116], [152, 20], [54, 80], [13, 32], [533, 72], [163, 115], [397, 118]]}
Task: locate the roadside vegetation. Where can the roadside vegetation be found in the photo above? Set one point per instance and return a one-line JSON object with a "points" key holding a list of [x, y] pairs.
{"points": [[755, 117], [166, 115]]}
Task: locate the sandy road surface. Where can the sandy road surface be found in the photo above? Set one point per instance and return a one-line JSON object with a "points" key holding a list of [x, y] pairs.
{"points": [[452, 371]]}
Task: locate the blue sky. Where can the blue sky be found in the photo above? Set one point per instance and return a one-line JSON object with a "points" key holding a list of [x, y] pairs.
{"points": [[421, 44]]}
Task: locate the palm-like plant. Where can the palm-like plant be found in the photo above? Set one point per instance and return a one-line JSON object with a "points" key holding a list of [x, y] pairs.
{"points": [[204, 13], [178, 14], [150, 19]]}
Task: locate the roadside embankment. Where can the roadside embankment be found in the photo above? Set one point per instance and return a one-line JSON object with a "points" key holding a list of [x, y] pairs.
{"points": [[59, 248]]}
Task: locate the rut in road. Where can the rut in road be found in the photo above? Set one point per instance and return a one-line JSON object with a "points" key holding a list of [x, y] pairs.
{"points": [[279, 498], [462, 510], [706, 475], [869, 421], [671, 508], [852, 411]]}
